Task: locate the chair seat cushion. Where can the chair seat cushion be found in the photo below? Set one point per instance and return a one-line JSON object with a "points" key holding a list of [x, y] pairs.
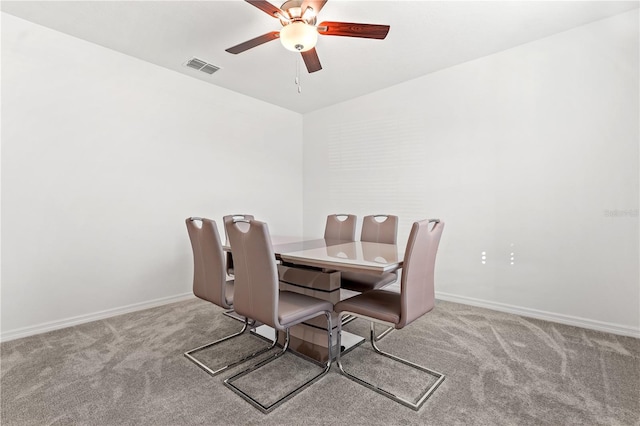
{"points": [[379, 304], [294, 308], [361, 282]]}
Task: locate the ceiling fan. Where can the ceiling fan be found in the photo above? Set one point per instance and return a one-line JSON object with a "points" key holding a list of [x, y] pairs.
{"points": [[299, 32]]}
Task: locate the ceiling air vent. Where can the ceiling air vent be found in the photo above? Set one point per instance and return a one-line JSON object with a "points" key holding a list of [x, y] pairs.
{"points": [[200, 65]]}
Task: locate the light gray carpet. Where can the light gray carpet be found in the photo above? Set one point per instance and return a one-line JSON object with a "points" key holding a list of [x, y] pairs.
{"points": [[501, 370]]}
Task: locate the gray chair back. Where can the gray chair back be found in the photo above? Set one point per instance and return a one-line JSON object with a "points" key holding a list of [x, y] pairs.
{"points": [[230, 218], [256, 275], [417, 286], [380, 232], [209, 280], [336, 229]]}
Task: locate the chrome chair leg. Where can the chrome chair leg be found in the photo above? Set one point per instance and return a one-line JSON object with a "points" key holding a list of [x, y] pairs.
{"points": [[349, 318], [267, 408], [232, 314], [423, 396], [189, 354], [384, 333]]}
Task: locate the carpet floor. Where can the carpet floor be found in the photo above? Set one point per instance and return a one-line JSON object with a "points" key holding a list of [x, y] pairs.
{"points": [[501, 369]]}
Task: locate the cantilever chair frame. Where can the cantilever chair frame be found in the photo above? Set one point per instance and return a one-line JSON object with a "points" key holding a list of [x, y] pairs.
{"points": [[268, 408], [373, 338], [229, 382], [247, 325]]}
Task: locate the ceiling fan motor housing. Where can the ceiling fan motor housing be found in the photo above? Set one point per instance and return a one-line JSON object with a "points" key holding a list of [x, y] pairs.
{"points": [[294, 13]]}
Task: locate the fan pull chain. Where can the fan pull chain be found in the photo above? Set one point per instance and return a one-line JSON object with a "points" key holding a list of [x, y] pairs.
{"points": [[297, 80]]}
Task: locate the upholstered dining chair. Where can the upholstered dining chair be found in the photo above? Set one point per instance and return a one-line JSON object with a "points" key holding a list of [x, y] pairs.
{"points": [[340, 227], [415, 299], [257, 296], [373, 231], [210, 283], [229, 256]]}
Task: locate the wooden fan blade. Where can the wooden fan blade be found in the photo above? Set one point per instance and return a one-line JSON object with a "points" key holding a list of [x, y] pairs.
{"points": [[316, 5], [266, 7], [253, 42], [348, 29], [311, 60]]}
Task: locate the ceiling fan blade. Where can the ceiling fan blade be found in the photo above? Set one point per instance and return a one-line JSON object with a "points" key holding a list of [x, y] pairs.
{"points": [[253, 42], [311, 60], [266, 7], [316, 5], [348, 29]]}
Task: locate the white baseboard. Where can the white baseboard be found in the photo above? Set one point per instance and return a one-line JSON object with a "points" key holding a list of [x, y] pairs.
{"points": [[81, 319], [496, 306], [619, 329]]}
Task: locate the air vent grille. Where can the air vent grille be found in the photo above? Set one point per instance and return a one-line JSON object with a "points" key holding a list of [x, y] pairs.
{"points": [[209, 69], [200, 65]]}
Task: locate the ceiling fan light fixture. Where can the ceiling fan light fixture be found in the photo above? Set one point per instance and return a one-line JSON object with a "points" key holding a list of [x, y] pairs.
{"points": [[294, 12], [299, 36], [284, 18], [309, 14]]}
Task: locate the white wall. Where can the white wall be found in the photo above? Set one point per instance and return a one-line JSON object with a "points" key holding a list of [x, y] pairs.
{"points": [[103, 158], [531, 151]]}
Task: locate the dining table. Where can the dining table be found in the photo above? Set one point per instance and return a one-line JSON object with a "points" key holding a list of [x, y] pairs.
{"points": [[313, 267]]}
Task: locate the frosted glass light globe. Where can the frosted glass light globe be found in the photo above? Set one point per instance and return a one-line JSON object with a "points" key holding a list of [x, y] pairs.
{"points": [[299, 36]]}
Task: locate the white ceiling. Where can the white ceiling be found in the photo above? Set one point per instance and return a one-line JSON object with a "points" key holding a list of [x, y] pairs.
{"points": [[425, 36]]}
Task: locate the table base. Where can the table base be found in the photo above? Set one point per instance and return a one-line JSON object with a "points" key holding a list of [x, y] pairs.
{"points": [[310, 350]]}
